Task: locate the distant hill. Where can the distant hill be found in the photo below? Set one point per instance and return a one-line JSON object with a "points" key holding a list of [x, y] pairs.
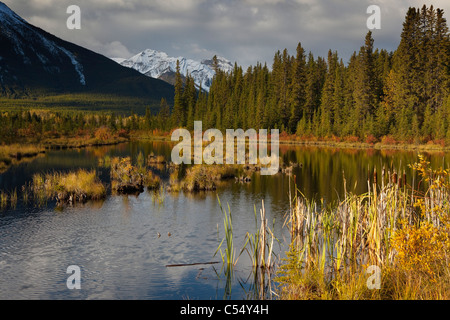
{"points": [[35, 64]]}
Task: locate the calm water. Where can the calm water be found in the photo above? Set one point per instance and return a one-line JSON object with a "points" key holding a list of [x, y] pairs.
{"points": [[115, 242]]}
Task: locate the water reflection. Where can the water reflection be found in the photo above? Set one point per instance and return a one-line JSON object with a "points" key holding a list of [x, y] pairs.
{"points": [[115, 242]]}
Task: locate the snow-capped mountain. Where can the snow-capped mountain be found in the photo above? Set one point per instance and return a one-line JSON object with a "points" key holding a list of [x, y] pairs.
{"points": [[34, 62], [157, 64], [25, 38]]}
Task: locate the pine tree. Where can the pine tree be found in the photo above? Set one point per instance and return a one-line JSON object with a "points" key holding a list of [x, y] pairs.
{"points": [[327, 98], [365, 96], [164, 114], [297, 94], [178, 115], [189, 95]]}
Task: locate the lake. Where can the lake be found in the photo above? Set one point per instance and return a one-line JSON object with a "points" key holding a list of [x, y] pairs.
{"points": [[122, 244]]}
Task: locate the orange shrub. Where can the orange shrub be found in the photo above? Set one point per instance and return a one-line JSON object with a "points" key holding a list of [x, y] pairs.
{"points": [[388, 140], [351, 139], [103, 134], [371, 139], [123, 134]]}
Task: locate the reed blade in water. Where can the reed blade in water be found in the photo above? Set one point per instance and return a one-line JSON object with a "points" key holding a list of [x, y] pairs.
{"points": [[228, 257]]}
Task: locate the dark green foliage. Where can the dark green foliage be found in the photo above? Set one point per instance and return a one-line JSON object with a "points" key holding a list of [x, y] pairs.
{"points": [[402, 94]]}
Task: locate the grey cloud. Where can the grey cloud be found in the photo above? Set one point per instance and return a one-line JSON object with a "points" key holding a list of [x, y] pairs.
{"points": [[246, 31]]}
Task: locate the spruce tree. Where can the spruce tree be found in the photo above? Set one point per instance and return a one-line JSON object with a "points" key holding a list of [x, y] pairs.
{"points": [[297, 94], [178, 115]]}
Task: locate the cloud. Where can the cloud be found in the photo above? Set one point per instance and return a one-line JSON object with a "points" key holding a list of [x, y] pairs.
{"points": [[246, 31]]}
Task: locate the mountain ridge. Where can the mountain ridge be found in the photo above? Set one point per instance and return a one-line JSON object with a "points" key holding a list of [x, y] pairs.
{"points": [[159, 65], [34, 63]]}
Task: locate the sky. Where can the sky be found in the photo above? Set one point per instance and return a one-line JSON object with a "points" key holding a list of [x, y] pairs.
{"points": [[242, 31]]}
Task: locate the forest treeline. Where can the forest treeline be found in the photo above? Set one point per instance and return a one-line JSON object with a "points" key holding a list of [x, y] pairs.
{"points": [[402, 95], [378, 96]]}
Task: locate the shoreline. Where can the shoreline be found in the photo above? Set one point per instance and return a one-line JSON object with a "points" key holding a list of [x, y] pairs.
{"points": [[364, 145], [428, 147], [73, 143]]}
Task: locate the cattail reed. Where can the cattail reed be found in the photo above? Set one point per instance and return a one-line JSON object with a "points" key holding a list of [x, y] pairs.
{"points": [[334, 244]]}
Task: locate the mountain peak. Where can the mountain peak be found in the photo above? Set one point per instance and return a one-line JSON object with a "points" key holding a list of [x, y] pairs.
{"points": [[34, 62], [158, 64]]}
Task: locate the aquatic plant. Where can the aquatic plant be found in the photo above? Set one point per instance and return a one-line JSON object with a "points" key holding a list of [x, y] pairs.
{"points": [[126, 178], [394, 227], [13, 198], [259, 245], [3, 200], [158, 195], [153, 159], [25, 194], [229, 256], [152, 181], [78, 186], [201, 177]]}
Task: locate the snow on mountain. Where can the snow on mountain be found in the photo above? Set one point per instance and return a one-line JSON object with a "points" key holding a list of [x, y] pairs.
{"points": [[22, 35], [157, 64]]}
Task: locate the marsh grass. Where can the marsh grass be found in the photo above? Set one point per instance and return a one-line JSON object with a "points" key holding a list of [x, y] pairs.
{"points": [[25, 195], [152, 181], [18, 151], [201, 177], [155, 160], [158, 195], [403, 231], [8, 198], [259, 247], [125, 177], [3, 200], [129, 178], [229, 254], [71, 187], [13, 198]]}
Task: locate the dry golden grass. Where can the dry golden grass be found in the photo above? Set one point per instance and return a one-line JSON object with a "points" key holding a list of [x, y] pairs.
{"points": [[19, 151], [202, 177], [76, 186], [402, 231]]}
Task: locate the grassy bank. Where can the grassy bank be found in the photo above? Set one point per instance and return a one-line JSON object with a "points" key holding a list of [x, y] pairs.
{"points": [[402, 233], [81, 142], [430, 147], [384, 143], [16, 153], [26, 149]]}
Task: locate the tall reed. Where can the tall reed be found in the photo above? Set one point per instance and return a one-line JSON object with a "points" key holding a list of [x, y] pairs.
{"points": [[3, 200], [229, 256], [391, 227], [259, 245], [13, 198]]}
